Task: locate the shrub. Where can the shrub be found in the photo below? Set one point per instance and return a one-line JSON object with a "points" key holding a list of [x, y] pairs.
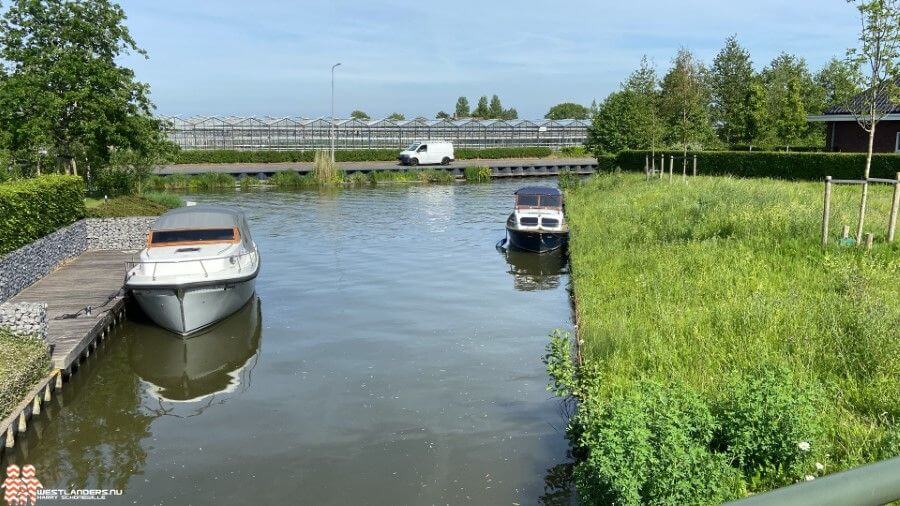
{"points": [[113, 182], [607, 163], [127, 205], [770, 426], [434, 176], [325, 171], [569, 180], [288, 179], [32, 208], [574, 151], [358, 179], [651, 444], [510, 152], [478, 174], [793, 166]]}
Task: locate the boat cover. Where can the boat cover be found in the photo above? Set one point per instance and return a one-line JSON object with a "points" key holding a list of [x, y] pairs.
{"points": [[199, 217], [538, 190]]}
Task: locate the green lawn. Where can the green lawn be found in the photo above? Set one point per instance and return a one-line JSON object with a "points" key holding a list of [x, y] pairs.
{"points": [[709, 289], [23, 362]]}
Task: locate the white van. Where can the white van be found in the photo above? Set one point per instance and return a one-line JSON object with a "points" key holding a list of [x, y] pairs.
{"points": [[427, 152]]}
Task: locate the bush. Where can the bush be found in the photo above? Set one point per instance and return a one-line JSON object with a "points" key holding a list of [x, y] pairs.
{"points": [[33, 208], [651, 445], [345, 155], [569, 180], [358, 179], [607, 163], [769, 427], [574, 151], [128, 205], [793, 166], [113, 182], [434, 176], [478, 174], [289, 179]]}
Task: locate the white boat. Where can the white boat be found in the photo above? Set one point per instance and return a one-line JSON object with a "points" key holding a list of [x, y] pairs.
{"points": [[537, 223], [199, 266]]}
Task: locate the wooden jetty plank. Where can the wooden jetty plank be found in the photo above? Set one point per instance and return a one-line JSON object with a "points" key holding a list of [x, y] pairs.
{"points": [[88, 280]]}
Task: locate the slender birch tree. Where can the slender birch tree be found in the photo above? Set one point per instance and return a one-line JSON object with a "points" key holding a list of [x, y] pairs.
{"points": [[878, 55]]}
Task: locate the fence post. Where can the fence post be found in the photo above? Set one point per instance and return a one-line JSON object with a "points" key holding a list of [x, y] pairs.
{"points": [[895, 206], [695, 165], [826, 211], [671, 166]]}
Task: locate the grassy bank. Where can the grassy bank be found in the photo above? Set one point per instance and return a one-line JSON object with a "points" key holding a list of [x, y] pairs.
{"points": [[23, 362], [725, 352], [146, 204]]}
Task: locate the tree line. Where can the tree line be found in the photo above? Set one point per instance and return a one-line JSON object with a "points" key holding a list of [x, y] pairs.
{"points": [[725, 104], [65, 102]]}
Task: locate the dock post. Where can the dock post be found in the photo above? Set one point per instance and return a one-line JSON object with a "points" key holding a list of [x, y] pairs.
{"points": [[22, 425], [826, 211], [36, 405], [895, 207], [58, 384], [695, 165], [47, 393], [10, 437]]}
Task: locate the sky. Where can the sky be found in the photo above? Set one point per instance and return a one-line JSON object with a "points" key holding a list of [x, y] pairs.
{"points": [[274, 58]]}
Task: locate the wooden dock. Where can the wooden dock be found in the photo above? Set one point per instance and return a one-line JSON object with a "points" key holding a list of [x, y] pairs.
{"points": [[92, 279]]}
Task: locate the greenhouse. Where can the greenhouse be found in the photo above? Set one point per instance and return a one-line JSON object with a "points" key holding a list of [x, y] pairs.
{"points": [[267, 133]]}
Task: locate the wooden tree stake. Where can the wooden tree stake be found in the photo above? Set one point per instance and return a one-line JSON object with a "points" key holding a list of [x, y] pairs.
{"points": [[826, 211], [895, 207], [870, 239]]}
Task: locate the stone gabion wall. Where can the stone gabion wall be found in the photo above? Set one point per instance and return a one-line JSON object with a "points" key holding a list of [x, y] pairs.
{"points": [[118, 233], [24, 266], [25, 319]]}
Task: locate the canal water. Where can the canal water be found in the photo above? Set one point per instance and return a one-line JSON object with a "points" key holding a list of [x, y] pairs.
{"points": [[393, 356]]}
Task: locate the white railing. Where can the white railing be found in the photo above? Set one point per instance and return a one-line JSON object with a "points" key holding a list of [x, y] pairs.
{"points": [[236, 259]]}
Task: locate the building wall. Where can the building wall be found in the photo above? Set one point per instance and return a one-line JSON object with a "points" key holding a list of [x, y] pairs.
{"points": [[848, 136]]}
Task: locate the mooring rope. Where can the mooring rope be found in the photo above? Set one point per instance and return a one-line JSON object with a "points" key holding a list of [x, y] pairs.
{"points": [[87, 310]]}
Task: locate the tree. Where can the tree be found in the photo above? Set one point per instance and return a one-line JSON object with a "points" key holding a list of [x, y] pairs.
{"points": [[462, 108], [357, 114], [684, 102], [63, 90], [786, 78], [568, 110], [482, 110], [755, 110], [619, 124], [396, 116], [441, 115], [730, 79], [879, 54], [496, 108], [839, 80], [510, 113], [643, 84]]}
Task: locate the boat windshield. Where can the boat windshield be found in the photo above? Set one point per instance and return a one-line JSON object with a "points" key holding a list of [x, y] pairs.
{"points": [[193, 236], [554, 201]]}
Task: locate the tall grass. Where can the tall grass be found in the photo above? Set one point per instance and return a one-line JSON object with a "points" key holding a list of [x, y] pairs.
{"points": [[704, 285], [477, 174], [325, 171]]}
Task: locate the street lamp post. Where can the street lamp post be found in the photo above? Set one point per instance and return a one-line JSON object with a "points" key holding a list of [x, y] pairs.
{"points": [[336, 65]]}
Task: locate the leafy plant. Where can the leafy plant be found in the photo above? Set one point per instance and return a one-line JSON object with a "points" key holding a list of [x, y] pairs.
{"points": [[477, 174], [33, 208]]}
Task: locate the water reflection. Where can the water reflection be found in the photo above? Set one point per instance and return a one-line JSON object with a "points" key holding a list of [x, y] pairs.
{"points": [[532, 271], [216, 361]]}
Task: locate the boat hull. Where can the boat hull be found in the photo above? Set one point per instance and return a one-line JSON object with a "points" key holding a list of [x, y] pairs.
{"points": [[185, 310], [536, 241]]}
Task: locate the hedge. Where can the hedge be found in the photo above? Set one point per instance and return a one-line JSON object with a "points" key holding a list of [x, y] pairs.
{"points": [[345, 155], [33, 208], [779, 165]]}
